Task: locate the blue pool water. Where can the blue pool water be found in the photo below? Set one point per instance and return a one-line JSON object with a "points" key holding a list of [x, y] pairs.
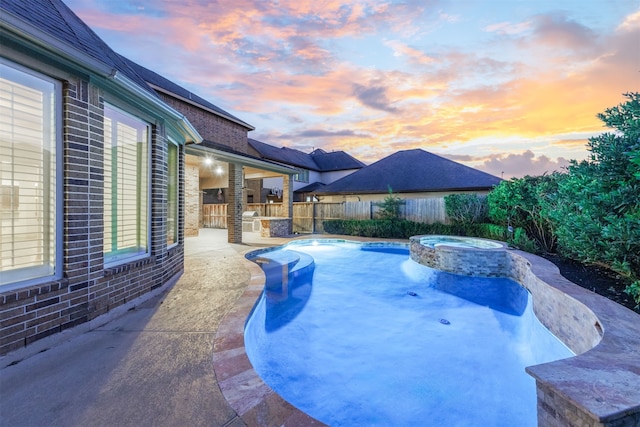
{"points": [[357, 336]]}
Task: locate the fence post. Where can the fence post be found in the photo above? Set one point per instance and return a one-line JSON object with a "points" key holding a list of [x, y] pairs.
{"points": [[313, 218]]}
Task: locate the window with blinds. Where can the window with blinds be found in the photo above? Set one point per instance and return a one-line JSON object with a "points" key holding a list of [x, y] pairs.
{"points": [[172, 194], [27, 174], [126, 186]]}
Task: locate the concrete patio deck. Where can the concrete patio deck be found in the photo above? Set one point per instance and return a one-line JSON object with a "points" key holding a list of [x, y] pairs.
{"points": [[150, 366], [178, 358]]}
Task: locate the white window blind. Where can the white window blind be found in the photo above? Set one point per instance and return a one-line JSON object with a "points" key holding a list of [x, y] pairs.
{"points": [[27, 175], [126, 186]]}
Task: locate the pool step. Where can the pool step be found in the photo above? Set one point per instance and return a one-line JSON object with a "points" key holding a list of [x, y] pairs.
{"points": [[280, 264]]}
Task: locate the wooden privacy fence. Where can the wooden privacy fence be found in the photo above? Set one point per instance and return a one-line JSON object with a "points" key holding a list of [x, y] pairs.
{"points": [[214, 216], [308, 216]]}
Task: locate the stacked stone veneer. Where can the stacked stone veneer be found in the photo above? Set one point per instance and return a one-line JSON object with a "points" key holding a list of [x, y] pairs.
{"points": [[275, 227], [192, 197], [86, 289], [477, 262], [600, 386]]}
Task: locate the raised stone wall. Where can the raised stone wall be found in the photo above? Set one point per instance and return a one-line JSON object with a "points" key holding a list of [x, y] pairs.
{"points": [[275, 227], [600, 386]]}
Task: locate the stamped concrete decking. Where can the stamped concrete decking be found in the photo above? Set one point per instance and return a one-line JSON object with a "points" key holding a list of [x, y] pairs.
{"points": [[150, 366], [178, 359]]}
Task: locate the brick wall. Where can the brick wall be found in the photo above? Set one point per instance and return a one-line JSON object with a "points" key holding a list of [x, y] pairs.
{"points": [[88, 290], [235, 204], [211, 126]]}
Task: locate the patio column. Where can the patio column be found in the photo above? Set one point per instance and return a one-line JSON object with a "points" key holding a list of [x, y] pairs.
{"points": [[192, 205], [287, 200], [234, 204]]}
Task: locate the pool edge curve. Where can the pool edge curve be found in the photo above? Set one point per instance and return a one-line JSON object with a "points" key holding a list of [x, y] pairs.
{"points": [[610, 368]]}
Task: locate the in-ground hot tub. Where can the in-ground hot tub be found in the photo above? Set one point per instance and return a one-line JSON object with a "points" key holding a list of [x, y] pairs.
{"points": [[469, 256], [461, 242]]}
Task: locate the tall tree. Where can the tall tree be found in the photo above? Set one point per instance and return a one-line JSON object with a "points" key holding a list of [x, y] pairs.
{"points": [[598, 220]]}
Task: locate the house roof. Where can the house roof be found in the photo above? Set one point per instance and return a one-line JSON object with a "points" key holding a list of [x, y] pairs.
{"points": [[163, 84], [228, 154], [319, 160], [313, 187], [335, 160], [49, 28], [412, 171], [55, 19]]}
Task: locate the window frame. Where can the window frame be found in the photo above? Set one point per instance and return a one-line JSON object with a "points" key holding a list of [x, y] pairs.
{"points": [[302, 176], [41, 274], [176, 211], [114, 259]]}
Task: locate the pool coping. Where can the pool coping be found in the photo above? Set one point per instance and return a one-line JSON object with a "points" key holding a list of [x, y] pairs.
{"points": [[610, 371], [253, 400]]}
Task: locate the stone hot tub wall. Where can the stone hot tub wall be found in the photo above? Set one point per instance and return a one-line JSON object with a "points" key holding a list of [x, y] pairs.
{"points": [[598, 387]]}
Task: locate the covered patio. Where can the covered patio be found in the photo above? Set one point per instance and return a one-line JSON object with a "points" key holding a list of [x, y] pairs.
{"points": [[236, 179]]}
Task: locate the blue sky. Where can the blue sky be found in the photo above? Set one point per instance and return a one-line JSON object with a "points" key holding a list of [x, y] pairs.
{"points": [[509, 87]]}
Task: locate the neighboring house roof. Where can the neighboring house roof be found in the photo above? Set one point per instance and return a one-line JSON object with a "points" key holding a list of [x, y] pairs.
{"points": [[412, 171], [310, 188], [335, 160], [165, 85], [319, 160], [284, 155]]}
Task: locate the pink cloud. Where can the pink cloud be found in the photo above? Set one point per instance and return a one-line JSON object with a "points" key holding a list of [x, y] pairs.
{"points": [[402, 50], [508, 28], [279, 64]]}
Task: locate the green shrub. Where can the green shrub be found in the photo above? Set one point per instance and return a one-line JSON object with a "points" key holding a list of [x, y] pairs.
{"points": [[525, 203], [388, 229], [597, 208], [466, 208], [390, 207]]}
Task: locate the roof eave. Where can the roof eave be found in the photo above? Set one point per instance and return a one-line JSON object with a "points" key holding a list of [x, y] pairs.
{"points": [[185, 128], [194, 103], [244, 160], [45, 42], [432, 190], [48, 45]]}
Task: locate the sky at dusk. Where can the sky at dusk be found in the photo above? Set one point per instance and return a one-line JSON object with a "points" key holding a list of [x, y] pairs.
{"points": [[511, 87]]}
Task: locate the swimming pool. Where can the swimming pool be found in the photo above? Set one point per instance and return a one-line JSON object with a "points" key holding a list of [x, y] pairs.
{"points": [[358, 334]]}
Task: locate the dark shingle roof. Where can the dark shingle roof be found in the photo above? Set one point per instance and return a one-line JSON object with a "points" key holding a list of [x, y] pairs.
{"points": [[54, 18], [335, 161], [412, 171], [284, 155], [315, 186], [318, 160], [157, 80]]}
